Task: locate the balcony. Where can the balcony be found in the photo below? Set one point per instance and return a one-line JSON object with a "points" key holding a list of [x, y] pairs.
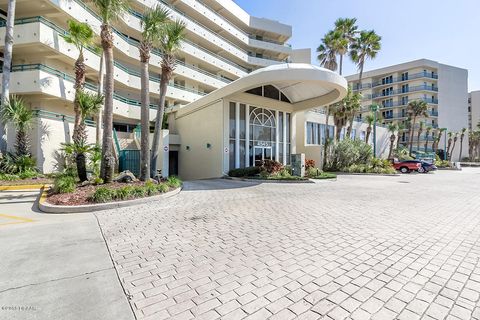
{"points": [[419, 75], [404, 91]]}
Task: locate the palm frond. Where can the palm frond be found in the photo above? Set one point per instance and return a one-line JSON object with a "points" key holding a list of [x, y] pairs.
{"points": [[111, 10]]}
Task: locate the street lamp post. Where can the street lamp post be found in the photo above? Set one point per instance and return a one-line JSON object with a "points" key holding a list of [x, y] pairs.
{"points": [[374, 108], [445, 146]]}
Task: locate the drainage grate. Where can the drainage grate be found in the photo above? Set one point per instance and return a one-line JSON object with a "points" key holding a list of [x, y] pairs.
{"points": [[403, 182]]}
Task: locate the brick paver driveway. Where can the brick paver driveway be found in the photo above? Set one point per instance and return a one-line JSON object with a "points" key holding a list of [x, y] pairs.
{"points": [[361, 247]]}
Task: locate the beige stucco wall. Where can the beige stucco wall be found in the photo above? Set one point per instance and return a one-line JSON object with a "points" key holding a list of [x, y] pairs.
{"points": [[196, 130]]}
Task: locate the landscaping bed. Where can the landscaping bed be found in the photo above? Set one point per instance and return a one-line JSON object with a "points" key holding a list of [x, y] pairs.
{"points": [[111, 192]]}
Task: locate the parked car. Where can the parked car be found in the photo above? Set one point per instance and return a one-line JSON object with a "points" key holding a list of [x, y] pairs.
{"points": [[408, 166], [427, 167]]}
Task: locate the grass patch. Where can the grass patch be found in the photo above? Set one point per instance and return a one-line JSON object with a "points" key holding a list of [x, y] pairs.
{"points": [[324, 175]]}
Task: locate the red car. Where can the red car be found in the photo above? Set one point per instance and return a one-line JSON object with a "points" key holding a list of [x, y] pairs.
{"points": [[407, 166]]}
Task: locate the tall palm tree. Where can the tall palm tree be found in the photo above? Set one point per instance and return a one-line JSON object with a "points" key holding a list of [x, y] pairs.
{"points": [[98, 133], [347, 29], [20, 116], [169, 43], [365, 47], [327, 51], [109, 10], [427, 134], [81, 35], [421, 125], [392, 128], [89, 105], [327, 135], [7, 63], [416, 109], [339, 112], [450, 139], [152, 23], [369, 119], [462, 136]]}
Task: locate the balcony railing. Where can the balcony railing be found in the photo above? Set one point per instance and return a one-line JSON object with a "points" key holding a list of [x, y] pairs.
{"points": [[38, 113], [404, 91], [397, 80]]}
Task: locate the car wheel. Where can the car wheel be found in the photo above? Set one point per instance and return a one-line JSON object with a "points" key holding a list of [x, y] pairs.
{"points": [[422, 170], [404, 170]]}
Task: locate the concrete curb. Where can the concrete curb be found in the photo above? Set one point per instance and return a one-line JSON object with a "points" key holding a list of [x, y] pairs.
{"points": [[24, 187], [268, 181], [50, 208], [368, 174]]}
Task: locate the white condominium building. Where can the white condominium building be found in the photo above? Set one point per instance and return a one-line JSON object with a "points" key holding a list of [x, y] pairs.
{"points": [[443, 87]]}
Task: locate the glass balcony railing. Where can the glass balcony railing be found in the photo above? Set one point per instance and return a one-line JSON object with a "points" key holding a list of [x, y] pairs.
{"points": [[135, 43], [88, 85], [419, 75], [38, 113], [404, 91]]}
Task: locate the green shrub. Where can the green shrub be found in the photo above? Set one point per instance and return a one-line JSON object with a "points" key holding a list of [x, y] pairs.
{"points": [[102, 195], [150, 188], [13, 164], [347, 152], [162, 187], [28, 174], [174, 182], [244, 172], [64, 184], [123, 193], [97, 181], [139, 192], [9, 177]]}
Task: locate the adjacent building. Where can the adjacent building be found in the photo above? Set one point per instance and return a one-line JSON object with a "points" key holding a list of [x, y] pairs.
{"points": [[443, 87], [239, 94], [473, 110]]}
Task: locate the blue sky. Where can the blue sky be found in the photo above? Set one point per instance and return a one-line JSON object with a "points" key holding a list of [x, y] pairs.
{"points": [[447, 31]]}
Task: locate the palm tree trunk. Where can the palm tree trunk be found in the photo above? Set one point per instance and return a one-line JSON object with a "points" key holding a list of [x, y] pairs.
{"points": [[412, 131], [145, 122], [22, 143], [369, 131], [398, 140], [338, 130], [79, 84], [81, 166], [7, 63], [350, 126], [451, 152], [98, 137], [419, 133], [158, 122], [461, 148], [426, 142], [108, 159], [341, 63], [392, 141]]}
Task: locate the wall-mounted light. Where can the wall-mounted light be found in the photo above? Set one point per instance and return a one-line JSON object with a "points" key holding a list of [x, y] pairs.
{"points": [[187, 148], [209, 146]]}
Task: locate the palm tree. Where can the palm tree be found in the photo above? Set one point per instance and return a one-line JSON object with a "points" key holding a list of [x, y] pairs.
{"points": [[7, 63], [98, 133], [353, 107], [81, 35], [416, 109], [440, 132], [327, 51], [370, 118], [327, 136], [346, 29], [152, 23], [400, 127], [419, 133], [169, 43], [109, 10], [450, 135], [88, 104], [365, 47], [455, 138], [20, 116], [392, 128], [462, 136], [427, 134], [339, 117]]}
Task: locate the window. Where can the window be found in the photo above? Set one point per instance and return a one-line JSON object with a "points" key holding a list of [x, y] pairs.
{"points": [[404, 88], [270, 92], [405, 76], [313, 133]]}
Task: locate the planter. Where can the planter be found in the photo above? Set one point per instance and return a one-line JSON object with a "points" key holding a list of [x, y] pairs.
{"points": [[51, 208], [268, 181]]}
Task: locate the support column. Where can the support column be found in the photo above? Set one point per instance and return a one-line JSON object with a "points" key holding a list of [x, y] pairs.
{"points": [[237, 135], [277, 138], [285, 138], [247, 136]]}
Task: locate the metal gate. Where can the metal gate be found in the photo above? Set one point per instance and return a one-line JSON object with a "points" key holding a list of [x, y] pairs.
{"points": [[129, 160]]}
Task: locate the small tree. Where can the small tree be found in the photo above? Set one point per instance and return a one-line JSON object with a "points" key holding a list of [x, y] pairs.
{"points": [[462, 136], [416, 109], [427, 135], [16, 112], [369, 119], [392, 128], [455, 138]]}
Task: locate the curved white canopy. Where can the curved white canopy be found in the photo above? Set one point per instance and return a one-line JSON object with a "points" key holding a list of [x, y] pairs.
{"points": [[305, 85]]}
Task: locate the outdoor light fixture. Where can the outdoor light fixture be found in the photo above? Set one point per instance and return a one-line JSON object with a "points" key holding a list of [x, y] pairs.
{"points": [[187, 148], [209, 145]]}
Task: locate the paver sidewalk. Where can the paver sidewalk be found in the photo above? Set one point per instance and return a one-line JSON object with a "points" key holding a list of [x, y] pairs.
{"points": [[361, 248]]}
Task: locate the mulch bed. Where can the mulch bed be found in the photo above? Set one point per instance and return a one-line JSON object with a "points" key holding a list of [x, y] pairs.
{"points": [[26, 181], [82, 194]]}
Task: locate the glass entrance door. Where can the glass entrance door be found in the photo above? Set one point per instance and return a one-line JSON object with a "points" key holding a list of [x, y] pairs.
{"points": [[262, 154]]}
